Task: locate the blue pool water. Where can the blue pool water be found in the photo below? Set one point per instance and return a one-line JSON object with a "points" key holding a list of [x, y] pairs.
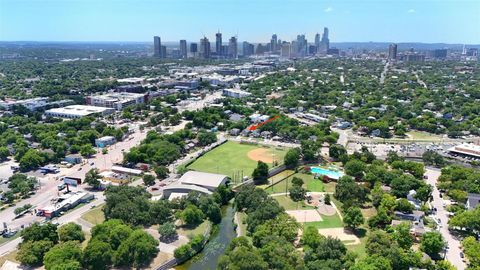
{"points": [[330, 174]]}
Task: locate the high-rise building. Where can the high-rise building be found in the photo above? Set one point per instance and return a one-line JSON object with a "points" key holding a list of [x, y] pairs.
{"points": [[439, 53], [317, 42], [157, 44], [218, 43], [325, 42], [163, 51], [286, 50], [183, 48], [302, 48], [204, 48], [248, 49], [194, 49], [232, 47], [392, 51], [273, 43], [261, 49]]}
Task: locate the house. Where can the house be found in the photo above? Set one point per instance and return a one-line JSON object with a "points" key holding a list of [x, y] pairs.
{"points": [[414, 216], [235, 117], [73, 159], [473, 200], [234, 131], [411, 199], [105, 141]]}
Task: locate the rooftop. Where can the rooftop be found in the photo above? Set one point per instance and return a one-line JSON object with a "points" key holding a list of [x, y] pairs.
{"points": [[202, 179], [82, 110], [466, 149]]}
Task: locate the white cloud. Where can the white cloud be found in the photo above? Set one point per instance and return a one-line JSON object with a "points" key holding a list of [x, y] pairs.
{"points": [[328, 9], [411, 10]]}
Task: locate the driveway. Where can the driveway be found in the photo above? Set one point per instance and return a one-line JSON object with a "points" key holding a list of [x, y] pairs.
{"points": [[453, 252]]}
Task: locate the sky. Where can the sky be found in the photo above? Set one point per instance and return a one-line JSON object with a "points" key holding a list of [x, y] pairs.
{"points": [[428, 21]]}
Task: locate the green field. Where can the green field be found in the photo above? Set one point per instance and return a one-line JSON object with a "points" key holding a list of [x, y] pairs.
{"points": [[231, 159], [288, 204], [94, 216], [311, 184], [327, 222]]}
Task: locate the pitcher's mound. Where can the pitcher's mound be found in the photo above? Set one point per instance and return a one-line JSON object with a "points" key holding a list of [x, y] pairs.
{"points": [[261, 154]]}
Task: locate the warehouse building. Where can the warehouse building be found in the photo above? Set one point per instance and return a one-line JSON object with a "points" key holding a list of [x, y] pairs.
{"points": [[78, 111], [117, 101]]}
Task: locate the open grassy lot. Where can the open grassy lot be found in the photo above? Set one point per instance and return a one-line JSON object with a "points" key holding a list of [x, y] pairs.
{"points": [[327, 222], [94, 216], [9, 256], [311, 184], [190, 232], [288, 204], [231, 158]]}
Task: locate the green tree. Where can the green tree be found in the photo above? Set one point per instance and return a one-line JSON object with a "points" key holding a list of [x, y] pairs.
{"points": [[311, 238], [297, 181], [403, 205], [71, 232], [87, 150], [31, 160], [137, 250], [403, 236], [167, 231], [327, 199], [37, 232], [66, 252], [160, 212], [353, 217], [206, 138], [192, 215], [92, 178], [292, 158], [432, 243], [161, 172], [31, 252], [148, 180], [297, 193], [335, 151], [355, 168], [97, 255], [260, 174], [4, 153]]}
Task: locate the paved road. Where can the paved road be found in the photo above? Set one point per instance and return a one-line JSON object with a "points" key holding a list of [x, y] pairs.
{"points": [[453, 252]]}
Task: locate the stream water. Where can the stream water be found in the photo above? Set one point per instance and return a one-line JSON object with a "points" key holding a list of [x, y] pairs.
{"points": [[207, 259]]}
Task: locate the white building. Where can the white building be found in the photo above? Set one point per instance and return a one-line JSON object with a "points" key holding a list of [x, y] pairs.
{"points": [[117, 101], [32, 104], [78, 111], [201, 182], [466, 149], [235, 93]]}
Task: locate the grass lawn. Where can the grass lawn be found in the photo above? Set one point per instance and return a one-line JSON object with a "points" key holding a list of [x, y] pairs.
{"points": [[95, 216], [360, 248], [190, 232], [277, 178], [327, 222], [3, 240], [242, 220], [311, 184], [9, 256], [231, 159], [421, 135], [288, 204]]}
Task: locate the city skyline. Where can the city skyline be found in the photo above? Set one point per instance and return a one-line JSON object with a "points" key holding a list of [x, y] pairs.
{"points": [[377, 21]]}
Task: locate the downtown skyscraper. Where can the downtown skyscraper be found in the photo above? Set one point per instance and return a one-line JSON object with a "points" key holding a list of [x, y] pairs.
{"points": [[183, 48], [274, 43], [232, 47], [218, 44], [204, 48], [157, 46]]}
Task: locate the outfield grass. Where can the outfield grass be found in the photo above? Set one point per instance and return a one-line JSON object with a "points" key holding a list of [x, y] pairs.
{"points": [[327, 222], [288, 204], [94, 216], [231, 159], [311, 184]]}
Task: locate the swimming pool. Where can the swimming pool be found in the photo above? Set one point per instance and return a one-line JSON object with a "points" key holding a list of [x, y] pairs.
{"points": [[329, 173]]}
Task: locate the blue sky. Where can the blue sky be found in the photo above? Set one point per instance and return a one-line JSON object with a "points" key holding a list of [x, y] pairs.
{"points": [[449, 21]]}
